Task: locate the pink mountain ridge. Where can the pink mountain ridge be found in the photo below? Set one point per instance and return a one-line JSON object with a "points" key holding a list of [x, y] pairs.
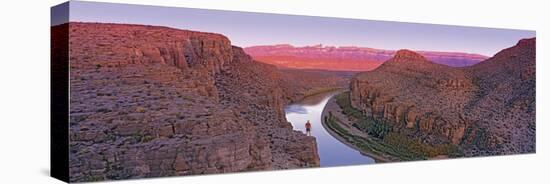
{"points": [[349, 58]]}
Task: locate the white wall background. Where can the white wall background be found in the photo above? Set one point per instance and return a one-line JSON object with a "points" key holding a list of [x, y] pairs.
{"points": [[24, 90]]}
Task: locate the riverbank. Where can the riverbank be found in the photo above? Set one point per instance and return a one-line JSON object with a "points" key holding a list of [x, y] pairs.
{"points": [[347, 133], [375, 139]]}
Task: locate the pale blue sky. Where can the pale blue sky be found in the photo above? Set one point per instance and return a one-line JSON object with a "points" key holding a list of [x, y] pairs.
{"points": [[249, 29]]}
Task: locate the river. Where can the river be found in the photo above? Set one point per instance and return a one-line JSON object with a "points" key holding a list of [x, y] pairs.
{"points": [[331, 151]]}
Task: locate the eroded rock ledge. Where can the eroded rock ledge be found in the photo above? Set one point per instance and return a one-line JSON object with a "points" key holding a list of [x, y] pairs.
{"points": [[487, 109], [154, 101]]}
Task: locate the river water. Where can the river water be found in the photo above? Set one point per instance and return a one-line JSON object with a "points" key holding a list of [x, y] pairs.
{"points": [[331, 151]]}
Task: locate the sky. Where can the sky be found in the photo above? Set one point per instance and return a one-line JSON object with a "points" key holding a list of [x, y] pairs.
{"points": [[249, 29]]}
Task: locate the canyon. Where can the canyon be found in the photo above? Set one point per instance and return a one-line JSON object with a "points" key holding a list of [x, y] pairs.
{"points": [[484, 109], [149, 101], [349, 58]]}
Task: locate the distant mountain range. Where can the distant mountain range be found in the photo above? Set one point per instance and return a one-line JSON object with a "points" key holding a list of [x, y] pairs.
{"points": [[347, 58]]}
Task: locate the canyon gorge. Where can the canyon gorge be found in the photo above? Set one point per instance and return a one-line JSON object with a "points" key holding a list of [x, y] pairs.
{"points": [[148, 101], [485, 109], [151, 101]]}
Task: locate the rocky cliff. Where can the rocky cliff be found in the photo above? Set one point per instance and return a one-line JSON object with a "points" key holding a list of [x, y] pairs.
{"points": [[486, 109], [150, 101]]}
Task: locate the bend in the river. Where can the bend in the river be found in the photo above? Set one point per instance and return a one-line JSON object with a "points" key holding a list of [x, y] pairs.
{"points": [[332, 152]]}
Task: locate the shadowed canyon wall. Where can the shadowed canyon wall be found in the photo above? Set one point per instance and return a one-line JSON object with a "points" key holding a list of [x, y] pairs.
{"points": [[150, 101], [486, 109]]}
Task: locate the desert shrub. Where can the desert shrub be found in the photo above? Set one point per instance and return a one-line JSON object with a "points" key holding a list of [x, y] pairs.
{"points": [[343, 101], [333, 122], [138, 137], [406, 144], [480, 138], [103, 110], [372, 127], [140, 109]]}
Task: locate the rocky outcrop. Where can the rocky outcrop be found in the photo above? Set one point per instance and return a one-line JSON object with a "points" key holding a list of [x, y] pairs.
{"points": [[154, 101], [505, 105], [488, 108], [347, 58], [404, 90], [263, 105]]}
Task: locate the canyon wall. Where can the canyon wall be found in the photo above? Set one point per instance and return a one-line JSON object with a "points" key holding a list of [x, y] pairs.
{"points": [[150, 101], [486, 109]]}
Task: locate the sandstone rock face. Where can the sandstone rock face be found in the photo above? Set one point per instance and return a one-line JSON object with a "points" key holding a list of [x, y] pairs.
{"points": [[153, 101], [263, 105], [487, 109]]}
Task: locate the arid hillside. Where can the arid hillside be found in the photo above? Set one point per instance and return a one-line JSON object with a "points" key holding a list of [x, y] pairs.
{"points": [[150, 101], [485, 109]]}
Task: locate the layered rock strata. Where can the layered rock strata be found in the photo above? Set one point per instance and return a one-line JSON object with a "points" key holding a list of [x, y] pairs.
{"points": [[150, 101], [486, 109]]}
